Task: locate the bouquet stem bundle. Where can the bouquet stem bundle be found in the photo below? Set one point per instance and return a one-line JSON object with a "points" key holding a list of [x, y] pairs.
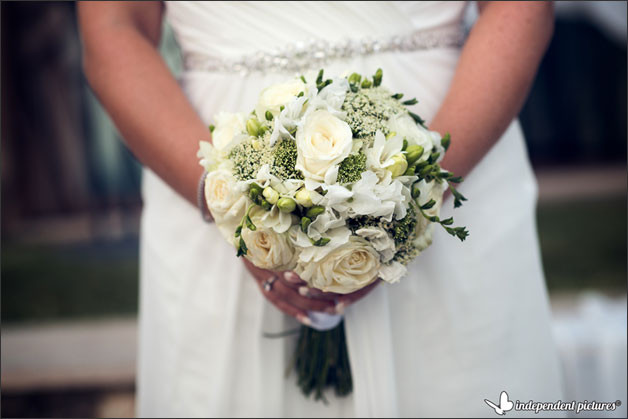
{"points": [[321, 361]]}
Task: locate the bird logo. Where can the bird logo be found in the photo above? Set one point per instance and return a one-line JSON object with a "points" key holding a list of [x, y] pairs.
{"points": [[504, 404]]}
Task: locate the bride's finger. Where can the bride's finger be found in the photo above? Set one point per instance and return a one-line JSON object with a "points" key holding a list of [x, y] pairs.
{"points": [[292, 278], [283, 306], [293, 297], [318, 294], [343, 299]]}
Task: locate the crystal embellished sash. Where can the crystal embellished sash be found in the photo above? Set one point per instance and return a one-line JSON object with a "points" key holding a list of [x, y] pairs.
{"points": [[315, 53]]}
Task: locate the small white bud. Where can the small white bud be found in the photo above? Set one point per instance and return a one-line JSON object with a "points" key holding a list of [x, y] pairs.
{"points": [[271, 195], [304, 198], [399, 166]]}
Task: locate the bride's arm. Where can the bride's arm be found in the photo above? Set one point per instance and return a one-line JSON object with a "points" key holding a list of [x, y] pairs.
{"points": [[132, 81], [494, 73], [152, 113]]}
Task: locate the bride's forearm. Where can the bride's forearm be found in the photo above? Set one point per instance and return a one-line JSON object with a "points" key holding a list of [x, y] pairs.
{"points": [[494, 73], [133, 83]]}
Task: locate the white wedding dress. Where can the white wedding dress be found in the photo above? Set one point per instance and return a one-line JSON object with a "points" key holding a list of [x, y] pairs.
{"points": [[470, 320]]}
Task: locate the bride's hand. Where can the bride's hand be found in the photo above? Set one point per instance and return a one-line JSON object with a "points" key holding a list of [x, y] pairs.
{"points": [[292, 296]]}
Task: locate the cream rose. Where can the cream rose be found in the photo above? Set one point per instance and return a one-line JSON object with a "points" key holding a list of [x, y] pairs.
{"points": [[347, 268], [322, 143], [268, 249], [228, 125], [224, 201], [273, 97]]}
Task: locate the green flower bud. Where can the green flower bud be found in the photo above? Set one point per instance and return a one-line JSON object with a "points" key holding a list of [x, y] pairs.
{"points": [[410, 171], [320, 242], [415, 191], [366, 83], [286, 204], [425, 170], [377, 78], [410, 102], [212, 128], [271, 195], [269, 116], [413, 153], [405, 145], [433, 157], [254, 191], [305, 222], [241, 248], [249, 223], [304, 198], [390, 135], [265, 204], [319, 77], [399, 166], [252, 127], [315, 211], [355, 78], [445, 141]]}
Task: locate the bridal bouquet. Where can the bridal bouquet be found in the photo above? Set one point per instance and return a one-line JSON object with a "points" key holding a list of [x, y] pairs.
{"points": [[334, 179]]}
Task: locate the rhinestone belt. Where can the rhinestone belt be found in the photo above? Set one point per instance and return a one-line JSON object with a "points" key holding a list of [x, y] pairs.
{"points": [[314, 53]]}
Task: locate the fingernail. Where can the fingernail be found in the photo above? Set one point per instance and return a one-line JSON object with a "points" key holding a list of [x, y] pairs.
{"points": [[340, 308], [291, 276], [304, 319], [304, 291]]}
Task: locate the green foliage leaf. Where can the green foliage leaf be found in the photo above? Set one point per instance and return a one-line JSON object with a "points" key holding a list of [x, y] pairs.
{"points": [[417, 118], [429, 204], [446, 141]]}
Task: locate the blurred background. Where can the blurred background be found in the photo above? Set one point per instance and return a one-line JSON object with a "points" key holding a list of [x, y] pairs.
{"points": [[71, 205]]}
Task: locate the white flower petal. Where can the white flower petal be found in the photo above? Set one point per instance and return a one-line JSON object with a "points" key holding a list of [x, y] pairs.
{"points": [[393, 272]]}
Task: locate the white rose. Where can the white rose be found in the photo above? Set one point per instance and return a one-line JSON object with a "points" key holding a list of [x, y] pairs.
{"points": [[228, 125], [322, 143], [347, 268], [225, 201], [268, 249], [405, 127], [273, 97]]}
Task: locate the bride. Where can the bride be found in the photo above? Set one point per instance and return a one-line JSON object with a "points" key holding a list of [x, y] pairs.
{"points": [[469, 321]]}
